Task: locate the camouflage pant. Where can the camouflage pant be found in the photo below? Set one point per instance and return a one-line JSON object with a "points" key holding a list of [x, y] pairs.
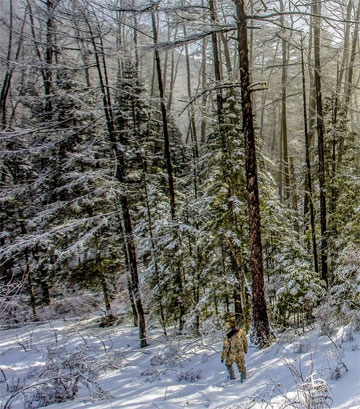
{"points": [[240, 363]]}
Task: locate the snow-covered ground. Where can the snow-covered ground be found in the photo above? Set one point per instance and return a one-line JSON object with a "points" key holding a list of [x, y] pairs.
{"points": [[171, 373]]}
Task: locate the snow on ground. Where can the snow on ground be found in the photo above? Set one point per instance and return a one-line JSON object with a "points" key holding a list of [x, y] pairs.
{"points": [[174, 373]]}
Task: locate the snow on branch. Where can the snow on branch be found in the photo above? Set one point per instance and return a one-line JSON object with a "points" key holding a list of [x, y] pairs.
{"points": [[166, 45], [155, 4], [227, 85], [44, 237], [277, 13], [207, 91]]}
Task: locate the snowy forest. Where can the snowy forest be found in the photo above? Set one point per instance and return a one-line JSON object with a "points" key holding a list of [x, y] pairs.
{"points": [[167, 165]]}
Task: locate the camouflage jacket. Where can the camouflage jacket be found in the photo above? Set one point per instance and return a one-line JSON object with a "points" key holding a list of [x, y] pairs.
{"points": [[234, 347]]}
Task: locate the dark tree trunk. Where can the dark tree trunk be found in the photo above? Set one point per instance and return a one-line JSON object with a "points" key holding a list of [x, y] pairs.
{"points": [[217, 71], [308, 190], [133, 268], [49, 55], [101, 276], [193, 131], [261, 333], [294, 194], [42, 278], [44, 286], [284, 137], [203, 82], [120, 176], [312, 109], [132, 302], [105, 291], [239, 313], [5, 89], [164, 119], [8, 74], [321, 153], [178, 276], [28, 271], [129, 283], [31, 286]]}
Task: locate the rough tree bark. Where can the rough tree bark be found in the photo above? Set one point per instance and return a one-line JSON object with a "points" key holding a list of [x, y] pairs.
{"points": [[260, 332], [316, 8], [308, 185]]}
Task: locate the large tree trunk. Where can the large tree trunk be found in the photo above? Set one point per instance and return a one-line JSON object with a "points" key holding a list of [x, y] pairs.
{"points": [[321, 131], [308, 188], [261, 333]]}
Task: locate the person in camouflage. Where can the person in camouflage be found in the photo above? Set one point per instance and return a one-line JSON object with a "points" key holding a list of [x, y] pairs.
{"points": [[234, 349]]}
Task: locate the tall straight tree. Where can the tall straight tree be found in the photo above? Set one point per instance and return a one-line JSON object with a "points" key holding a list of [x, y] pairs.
{"points": [[284, 159], [309, 189], [261, 332], [214, 40], [311, 128], [178, 275], [316, 9], [10, 68], [49, 54], [164, 115], [102, 71]]}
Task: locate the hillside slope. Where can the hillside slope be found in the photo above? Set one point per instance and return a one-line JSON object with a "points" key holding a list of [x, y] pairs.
{"points": [[105, 368]]}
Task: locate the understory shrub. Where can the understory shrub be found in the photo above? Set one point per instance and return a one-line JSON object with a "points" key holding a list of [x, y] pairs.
{"points": [[170, 356], [63, 375], [190, 376], [65, 372]]}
